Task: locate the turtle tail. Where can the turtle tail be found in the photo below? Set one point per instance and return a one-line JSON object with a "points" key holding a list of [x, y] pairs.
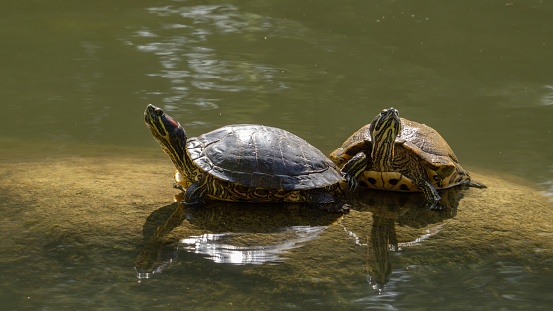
{"points": [[473, 183]]}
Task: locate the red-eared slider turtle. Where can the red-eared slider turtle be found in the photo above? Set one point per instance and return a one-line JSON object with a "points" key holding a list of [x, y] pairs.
{"points": [[393, 153], [245, 162]]}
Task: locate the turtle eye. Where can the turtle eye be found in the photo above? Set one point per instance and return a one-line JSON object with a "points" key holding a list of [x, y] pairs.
{"points": [[158, 112]]}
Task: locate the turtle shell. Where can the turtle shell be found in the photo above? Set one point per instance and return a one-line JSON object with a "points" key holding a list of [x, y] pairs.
{"points": [[263, 157], [415, 138], [421, 139]]}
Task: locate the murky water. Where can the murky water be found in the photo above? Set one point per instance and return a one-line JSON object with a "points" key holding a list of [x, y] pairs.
{"points": [[84, 185]]}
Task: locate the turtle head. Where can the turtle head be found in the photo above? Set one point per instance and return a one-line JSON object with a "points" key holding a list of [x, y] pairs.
{"points": [[383, 130], [168, 133]]}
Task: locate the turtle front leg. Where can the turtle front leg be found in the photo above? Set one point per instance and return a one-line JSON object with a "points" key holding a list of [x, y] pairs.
{"points": [[353, 168], [430, 193], [180, 187], [195, 193]]}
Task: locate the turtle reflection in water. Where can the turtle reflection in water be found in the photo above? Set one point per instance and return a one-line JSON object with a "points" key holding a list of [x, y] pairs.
{"points": [[227, 232], [251, 163], [392, 153], [375, 219]]}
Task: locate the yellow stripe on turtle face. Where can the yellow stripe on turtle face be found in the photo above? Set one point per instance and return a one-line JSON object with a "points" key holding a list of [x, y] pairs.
{"points": [[159, 131]]}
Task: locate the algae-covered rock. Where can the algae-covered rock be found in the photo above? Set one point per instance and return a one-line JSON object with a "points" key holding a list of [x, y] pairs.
{"points": [[85, 216]]}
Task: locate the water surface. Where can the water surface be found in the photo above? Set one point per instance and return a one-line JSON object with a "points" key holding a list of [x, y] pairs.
{"points": [[82, 177]]}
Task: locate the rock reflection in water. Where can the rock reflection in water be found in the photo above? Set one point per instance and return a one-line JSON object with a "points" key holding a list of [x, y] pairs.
{"points": [[228, 233], [388, 210]]}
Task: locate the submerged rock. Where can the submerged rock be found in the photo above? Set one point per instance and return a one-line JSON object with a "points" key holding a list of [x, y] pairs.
{"points": [[80, 216]]}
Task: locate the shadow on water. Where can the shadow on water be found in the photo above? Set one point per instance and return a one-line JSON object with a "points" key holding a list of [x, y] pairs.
{"points": [[253, 234]]}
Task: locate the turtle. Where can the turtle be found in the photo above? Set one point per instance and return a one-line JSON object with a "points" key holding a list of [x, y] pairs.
{"points": [[247, 163], [393, 153]]}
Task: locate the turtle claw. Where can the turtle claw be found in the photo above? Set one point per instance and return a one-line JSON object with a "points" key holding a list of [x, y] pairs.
{"points": [[435, 205], [177, 186], [345, 208], [352, 182]]}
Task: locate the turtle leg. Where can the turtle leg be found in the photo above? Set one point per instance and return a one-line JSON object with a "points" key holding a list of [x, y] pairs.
{"points": [[322, 199], [353, 168], [409, 165], [177, 186], [195, 193], [430, 193]]}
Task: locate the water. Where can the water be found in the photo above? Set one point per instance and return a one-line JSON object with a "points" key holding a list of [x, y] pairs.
{"points": [[84, 183]]}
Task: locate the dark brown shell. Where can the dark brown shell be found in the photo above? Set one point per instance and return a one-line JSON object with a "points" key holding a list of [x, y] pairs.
{"points": [[263, 157]]}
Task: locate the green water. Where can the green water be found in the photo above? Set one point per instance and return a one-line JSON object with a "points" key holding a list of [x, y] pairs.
{"points": [[82, 182]]}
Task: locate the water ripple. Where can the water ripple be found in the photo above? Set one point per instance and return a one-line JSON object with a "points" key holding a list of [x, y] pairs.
{"points": [[192, 68], [547, 99]]}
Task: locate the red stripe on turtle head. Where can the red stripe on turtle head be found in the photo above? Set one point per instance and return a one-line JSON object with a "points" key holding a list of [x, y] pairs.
{"points": [[175, 123]]}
